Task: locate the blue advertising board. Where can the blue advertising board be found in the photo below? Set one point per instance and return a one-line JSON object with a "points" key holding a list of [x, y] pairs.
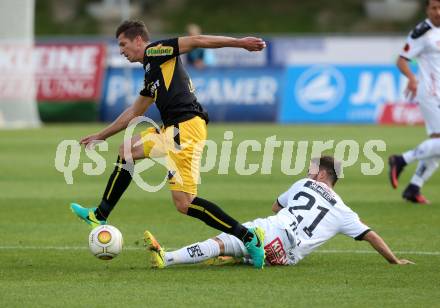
{"points": [[339, 93], [121, 88], [228, 94], [239, 94]]}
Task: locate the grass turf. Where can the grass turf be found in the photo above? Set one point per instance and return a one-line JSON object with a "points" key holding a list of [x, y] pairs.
{"points": [[44, 259]]}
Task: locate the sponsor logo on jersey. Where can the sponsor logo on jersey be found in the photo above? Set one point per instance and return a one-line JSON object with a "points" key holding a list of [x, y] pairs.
{"points": [[159, 50], [275, 253], [152, 88]]}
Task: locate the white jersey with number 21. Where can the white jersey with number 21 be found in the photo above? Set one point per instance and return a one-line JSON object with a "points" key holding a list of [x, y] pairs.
{"points": [[313, 213]]}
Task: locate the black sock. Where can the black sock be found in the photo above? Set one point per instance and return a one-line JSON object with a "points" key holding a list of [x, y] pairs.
{"points": [[214, 217], [412, 189], [116, 185], [400, 160]]}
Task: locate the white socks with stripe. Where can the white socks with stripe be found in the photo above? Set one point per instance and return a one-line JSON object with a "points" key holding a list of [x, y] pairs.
{"points": [[428, 155], [424, 170], [429, 148], [194, 253]]}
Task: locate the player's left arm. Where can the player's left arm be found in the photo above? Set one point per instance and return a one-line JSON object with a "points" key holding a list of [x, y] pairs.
{"points": [[188, 43], [381, 247], [276, 207], [282, 200]]}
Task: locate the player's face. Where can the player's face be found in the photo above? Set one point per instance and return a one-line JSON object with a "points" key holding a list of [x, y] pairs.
{"points": [[433, 12], [131, 49]]}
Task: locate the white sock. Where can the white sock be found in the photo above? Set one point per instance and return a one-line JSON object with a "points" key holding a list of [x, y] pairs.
{"points": [[194, 253], [427, 149], [424, 171]]}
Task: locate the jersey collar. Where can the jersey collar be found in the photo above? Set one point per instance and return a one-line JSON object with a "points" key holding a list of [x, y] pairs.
{"points": [[144, 61]]}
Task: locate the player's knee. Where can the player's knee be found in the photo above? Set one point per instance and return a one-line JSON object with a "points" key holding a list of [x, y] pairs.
{"points": [[182, 202], [181, 206], [126, 151], [221, 245], [121, 151]]}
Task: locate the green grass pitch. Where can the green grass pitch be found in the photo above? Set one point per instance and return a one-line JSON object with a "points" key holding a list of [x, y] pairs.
{"points": [[44, 260]]}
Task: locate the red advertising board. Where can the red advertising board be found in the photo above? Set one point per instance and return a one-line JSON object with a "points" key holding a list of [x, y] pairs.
{"points": [[69, 71], [55, 72], [405, 114]]}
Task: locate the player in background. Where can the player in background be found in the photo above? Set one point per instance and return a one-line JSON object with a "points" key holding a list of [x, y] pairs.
{"points": [[423, 45], [195, 57], [309, 214], [182, 136]]}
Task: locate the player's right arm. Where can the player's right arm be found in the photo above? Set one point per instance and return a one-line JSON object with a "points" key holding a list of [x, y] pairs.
{"points": [[404, 68], [415, 44], [137, 109], [381, 247]]}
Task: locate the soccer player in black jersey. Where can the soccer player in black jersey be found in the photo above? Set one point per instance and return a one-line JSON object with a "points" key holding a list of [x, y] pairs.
{"points": [[182, 137]]}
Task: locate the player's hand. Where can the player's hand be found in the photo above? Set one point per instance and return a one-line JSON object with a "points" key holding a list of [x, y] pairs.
{"points": [[411, 89], [90, 140], [252, 43], [404, 262]]}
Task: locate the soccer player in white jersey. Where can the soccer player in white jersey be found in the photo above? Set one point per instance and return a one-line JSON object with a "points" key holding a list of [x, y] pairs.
{"points": [[423, 44], [309, 214]]}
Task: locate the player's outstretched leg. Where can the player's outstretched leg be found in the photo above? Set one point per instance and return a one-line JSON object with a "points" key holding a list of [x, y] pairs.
{"points": [[199, 252], [396, 165], [215, 217], [87, 214], [255, 247], [157, 253]]}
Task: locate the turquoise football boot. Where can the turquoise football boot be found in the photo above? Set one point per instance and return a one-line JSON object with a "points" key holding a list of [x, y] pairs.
{"points": [[255, 247], [87, 214]]}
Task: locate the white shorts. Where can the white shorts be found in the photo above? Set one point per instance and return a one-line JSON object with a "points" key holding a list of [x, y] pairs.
{"points": [[430, 109], [277, 243]]}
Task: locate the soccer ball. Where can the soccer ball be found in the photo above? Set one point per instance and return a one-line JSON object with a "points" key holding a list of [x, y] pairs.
{"points": [[105, 242]]}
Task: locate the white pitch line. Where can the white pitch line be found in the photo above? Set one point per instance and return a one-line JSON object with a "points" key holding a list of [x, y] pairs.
{"points": [[323, 251], [56, 248], [403, 252]]}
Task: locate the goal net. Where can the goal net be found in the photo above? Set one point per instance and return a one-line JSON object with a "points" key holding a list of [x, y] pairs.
{"points": [[18, 106]]}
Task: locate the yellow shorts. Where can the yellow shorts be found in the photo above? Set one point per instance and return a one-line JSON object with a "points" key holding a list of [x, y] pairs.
{"points": [[182, 145]]}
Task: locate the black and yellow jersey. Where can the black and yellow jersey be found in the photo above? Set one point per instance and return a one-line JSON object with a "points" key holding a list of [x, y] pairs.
{"points": [[168, 83]]}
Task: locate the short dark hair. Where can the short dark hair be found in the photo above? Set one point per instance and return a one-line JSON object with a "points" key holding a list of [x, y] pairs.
{"points": [[427, 2], [328, 164], [133, 28]]}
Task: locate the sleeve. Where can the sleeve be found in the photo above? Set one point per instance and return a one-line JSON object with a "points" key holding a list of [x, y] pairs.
{"points": [[283, 199], [353, 227], [162, 51], [149, 90], [413, 47]]}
